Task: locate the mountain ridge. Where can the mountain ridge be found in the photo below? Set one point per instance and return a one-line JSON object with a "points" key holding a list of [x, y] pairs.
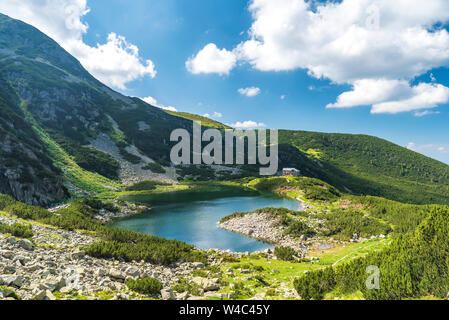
{"points": [[65, 113]]}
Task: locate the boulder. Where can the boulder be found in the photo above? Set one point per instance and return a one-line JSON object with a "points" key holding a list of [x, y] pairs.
{"points": [[8, 254], [26, 244], [133, 271], [206, 284], [14, 280], [198, 265], [77, 254], [44, 295], [11, 240], [182, 296], [167, 294], [7, 293], [53, 283], [116, 274]]}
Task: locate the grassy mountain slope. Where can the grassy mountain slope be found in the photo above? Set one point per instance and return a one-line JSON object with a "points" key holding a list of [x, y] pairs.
{"points": [[369, 165], [62, 110], [207, 122], [25, 169]]}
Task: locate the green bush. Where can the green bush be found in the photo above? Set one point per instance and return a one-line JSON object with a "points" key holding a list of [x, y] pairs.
{"points": [[88, 158], [97, 205], [284, 253], [147, 286], [298, 228], [146, 185], [154, 167], [315, 284], [17, 230], [25, 211], [6, 201], [414, 265], [184, 285]]}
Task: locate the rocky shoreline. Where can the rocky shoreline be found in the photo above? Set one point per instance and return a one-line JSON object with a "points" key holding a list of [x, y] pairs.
{"points": [[52, 266], [262, 227]]}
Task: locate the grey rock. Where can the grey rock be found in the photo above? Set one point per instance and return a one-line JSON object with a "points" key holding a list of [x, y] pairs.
{"points": [[167, 294], [26, 244], [116, 274], [133, 271], [44, 295]]}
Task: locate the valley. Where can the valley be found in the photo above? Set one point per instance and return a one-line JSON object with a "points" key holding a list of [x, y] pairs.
{"points": [[92, 208]]}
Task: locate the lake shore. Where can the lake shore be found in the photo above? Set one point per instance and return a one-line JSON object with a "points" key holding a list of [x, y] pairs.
{"points": [[261, 227]]}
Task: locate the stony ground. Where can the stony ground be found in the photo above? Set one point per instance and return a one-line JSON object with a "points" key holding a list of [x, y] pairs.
{"points": [[260, 226], [53, 266]]}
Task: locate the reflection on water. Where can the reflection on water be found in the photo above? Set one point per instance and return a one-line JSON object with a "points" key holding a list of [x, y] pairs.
{"points": [[195, 221]]}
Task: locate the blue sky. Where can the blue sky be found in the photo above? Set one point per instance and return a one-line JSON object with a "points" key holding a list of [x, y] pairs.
{"points": [[170, 32]]}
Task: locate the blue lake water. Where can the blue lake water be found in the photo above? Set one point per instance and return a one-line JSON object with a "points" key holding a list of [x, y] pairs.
{"points": [[195, 221]]}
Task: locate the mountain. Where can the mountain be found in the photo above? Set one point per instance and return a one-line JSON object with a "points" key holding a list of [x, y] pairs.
{"points": [[368, 165], [62, 132]]}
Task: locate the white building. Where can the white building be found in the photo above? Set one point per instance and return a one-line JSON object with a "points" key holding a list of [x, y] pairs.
{"points": [[290, 172]]}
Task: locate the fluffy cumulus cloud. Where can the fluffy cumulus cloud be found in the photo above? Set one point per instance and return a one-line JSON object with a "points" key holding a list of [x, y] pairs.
{"points": [[377, 46], [392, 96], [211, 59], [249, 124], [152, 101], [115, 62], [249, 92]]}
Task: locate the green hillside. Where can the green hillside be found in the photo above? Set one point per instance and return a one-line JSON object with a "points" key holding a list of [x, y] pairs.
{"points": [[204, 121], [369, 165], [54, 109]]}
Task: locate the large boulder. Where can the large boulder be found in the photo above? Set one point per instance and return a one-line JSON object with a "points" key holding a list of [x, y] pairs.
{"points": [[167, 294], [26, 244], [44, 295], [207, 284], [116, 274]]}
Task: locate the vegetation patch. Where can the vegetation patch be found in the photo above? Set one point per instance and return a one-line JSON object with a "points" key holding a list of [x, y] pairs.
{"points": [[284, 253], [147, 286], [145, 185], [17, 230], [154, 167], [413, 266]]}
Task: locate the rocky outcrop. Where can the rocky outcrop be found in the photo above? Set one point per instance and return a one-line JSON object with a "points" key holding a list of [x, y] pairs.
{"points": [[265, 228], [26, 178]]}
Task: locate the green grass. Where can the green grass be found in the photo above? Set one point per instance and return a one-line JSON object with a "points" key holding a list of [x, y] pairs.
{"points": [[79, 177], [276, 272], [206, 122]]}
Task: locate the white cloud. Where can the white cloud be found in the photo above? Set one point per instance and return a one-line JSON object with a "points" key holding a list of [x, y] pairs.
{"points": [[432, 78], [249, 92], [422, 96], [115, 62], [392, 96], [354, 42], [429, 148], [248, 125], [152, 101], [214, 115], [411, 146], [212, 60], [283, 97], [420, 114]]}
